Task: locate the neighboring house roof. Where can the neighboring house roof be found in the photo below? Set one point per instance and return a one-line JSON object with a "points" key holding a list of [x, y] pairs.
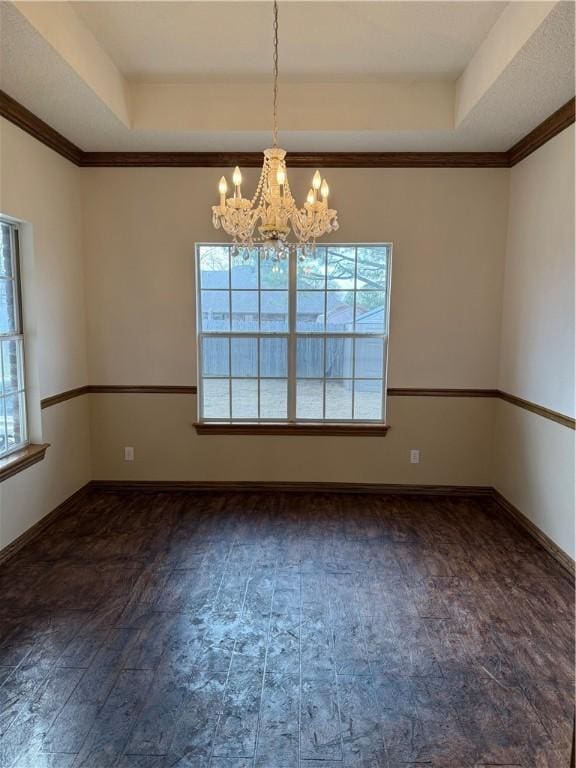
{"points": [[273, 301], [243, 276], [372, 316], [341, 314]]}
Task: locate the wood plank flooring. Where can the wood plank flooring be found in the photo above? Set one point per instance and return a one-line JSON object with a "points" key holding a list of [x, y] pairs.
{"points": [[284, 631]]}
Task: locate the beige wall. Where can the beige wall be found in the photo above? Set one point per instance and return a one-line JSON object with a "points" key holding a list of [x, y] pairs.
{"points": [[31, 494], [534, 470], [126, 237], [534, 457], [448, 228], [537, 351], [455, 437], [41, 189]]}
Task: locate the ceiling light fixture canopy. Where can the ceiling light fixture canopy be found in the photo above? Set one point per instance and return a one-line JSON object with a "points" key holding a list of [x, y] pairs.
{"points": [[273, 210]]}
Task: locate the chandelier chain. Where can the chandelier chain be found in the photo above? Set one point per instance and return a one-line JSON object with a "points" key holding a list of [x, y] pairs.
{"points": [[272, 214], [275, 60]]}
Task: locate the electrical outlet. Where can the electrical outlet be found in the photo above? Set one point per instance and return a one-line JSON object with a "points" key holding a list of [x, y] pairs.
{"points": [[414, 457], [128, 453]]}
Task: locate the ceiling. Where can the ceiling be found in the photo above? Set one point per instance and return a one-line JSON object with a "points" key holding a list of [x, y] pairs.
{"points": [[354, 76], [175, 41]]}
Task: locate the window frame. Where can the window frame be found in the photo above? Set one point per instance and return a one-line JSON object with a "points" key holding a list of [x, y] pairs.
{"points": [[292, 424], [17, 335]]}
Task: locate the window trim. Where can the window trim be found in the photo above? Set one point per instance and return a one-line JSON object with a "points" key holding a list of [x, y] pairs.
{"points": [[14, 456], [24, 457], [293, 426], [293, 429]]}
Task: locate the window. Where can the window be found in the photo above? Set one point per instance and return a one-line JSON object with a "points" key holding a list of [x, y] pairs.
{"points": [[13, 432], [300, 340]]}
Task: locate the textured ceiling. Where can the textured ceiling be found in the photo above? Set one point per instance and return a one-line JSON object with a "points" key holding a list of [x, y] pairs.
{"points": [[538, 81], [185, 40]]}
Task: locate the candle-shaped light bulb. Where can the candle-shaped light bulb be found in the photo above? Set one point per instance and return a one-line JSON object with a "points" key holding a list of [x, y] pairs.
{"points": [[237, 177], [222, 188], [281, 176], [316, 180], [324, 189], [311, 198]]}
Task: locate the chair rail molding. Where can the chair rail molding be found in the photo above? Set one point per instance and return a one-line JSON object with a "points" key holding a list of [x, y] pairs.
{"points": [[165, 389]]}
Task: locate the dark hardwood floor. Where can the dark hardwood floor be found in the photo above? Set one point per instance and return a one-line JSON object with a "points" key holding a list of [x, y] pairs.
{"points": [[284, 631]]}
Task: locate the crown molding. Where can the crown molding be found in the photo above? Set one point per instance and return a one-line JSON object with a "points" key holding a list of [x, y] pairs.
{"points": [[549, 128], [297, 159], [13, 111]]}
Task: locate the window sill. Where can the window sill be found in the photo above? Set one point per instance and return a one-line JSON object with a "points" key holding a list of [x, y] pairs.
{"points": [[20, 460], [311, 428]]}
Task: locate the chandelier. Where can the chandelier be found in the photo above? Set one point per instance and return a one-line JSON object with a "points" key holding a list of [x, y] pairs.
{"points": [[270, 216]]}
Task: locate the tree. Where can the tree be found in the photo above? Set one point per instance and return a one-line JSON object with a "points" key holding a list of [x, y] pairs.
{"points": [[342, 265]]}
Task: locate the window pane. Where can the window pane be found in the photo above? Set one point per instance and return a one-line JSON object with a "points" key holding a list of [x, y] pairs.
{"points": [[274, 274], [310, 311], [15, 423], [244, 272], [244, 310], [274, 311], [273, 399], [339, 357], [215, 398], [274, 357], [12, 366], [339, 399], [215, 360], [372, 266], [5, 251], [215, 311], [309, 399], [309, 358], [339, 311], [312, 270], [370, 311], [369, 358], [367, 399], [244, 399], [7, 308], [341, 266], [339, 333], [214, 266], [244, 357]]}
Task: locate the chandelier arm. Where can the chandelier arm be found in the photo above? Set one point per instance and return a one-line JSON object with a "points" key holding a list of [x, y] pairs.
{"points": [[300, 224]]}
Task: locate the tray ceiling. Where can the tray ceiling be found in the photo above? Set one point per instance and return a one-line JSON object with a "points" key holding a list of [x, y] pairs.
{"points": [[355, 76]]}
